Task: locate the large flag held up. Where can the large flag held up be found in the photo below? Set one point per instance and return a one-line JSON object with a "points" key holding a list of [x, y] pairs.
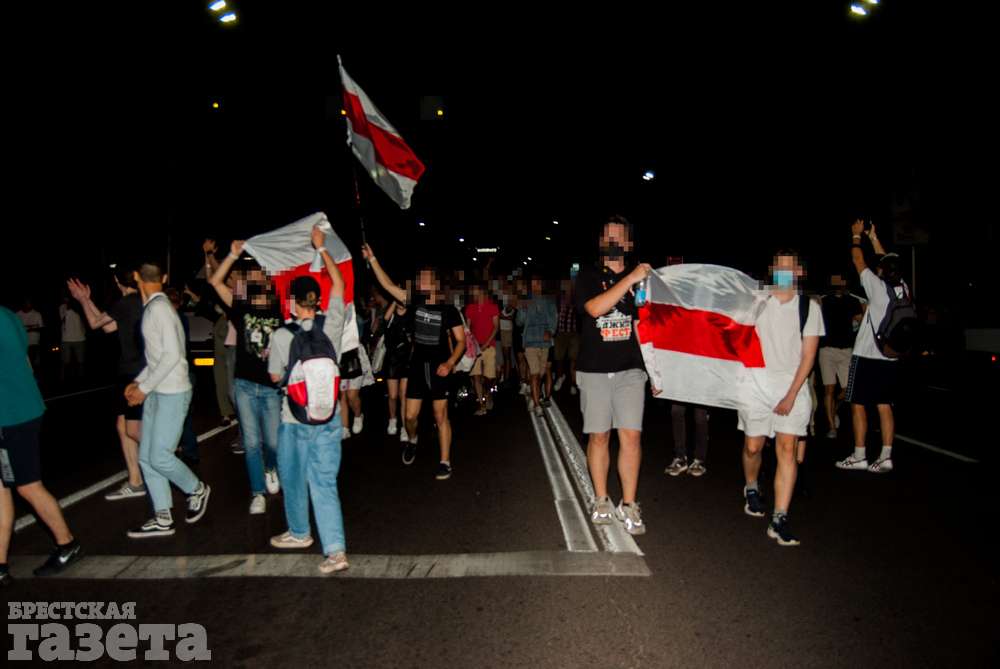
{"points": [[389, 161], [697, 333], [288, 252]]}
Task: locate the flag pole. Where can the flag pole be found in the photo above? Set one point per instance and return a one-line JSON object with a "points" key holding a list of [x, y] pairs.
{"points": [[354, 167]]}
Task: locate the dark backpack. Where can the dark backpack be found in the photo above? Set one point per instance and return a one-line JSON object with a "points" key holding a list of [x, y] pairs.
{"points": [[898, 333], [312, 379]]}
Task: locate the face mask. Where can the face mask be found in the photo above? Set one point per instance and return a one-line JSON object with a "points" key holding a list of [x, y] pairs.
{"points": [[783, 278], [613, 251]]}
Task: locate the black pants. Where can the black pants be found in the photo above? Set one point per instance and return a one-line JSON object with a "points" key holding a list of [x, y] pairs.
{"points": [[678, 416]]}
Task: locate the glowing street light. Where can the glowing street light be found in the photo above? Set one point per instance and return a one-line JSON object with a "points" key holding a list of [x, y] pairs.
{"points": [[648, 175], [440, 113], [218, 6], [215, 105], [858, 10], [228, 17], [421, 224], [548, 239], [475, 259], [461, 240], [555, 222]]}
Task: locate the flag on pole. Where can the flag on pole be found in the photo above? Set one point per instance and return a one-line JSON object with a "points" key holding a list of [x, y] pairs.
{"points": [[287, 253], [697, 333], [386, 157]]}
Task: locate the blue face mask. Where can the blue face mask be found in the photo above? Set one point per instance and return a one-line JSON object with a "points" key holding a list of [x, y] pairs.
{"points": [[783, 278]]}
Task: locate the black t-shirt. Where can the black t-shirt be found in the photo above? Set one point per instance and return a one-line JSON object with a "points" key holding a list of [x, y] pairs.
{"points": [[254, 327], [431, 325], [607, 344], [127, 313], [838, 315]]}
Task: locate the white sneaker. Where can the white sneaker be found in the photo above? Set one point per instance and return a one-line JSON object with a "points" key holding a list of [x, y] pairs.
{"points": [[572, 390], [403, 436], [345, 434], [539, 411], [393, 429], [271, 482], [631, 517], [525, 389], [881, 466], [557, 386], [852, 464], [258, 505], [603, 512], [359, 424], [836, 422]]}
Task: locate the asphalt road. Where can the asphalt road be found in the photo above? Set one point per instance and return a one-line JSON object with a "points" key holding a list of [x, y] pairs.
{"points": [[894, 570]]}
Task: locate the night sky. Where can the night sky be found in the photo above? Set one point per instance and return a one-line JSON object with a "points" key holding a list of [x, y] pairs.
{"points": [[768, 126]]}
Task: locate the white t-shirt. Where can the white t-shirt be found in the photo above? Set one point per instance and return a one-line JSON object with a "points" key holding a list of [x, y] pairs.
{"points": [[72, 325], [32, 319], [876, 290], [780, 339]]}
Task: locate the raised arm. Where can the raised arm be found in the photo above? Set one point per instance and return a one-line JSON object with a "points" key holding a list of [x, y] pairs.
{"points": [[601, 304], [337, 289], [857, 254], [390, 287], [95, 317], [218, 278]]}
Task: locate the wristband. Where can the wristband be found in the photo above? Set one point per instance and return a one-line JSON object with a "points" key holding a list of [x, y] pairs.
{"points": [[855, 236], [321, 250], [234, 257]]}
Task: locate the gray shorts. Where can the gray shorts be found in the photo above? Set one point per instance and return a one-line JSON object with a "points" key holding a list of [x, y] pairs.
{"points": [[612, 400]]}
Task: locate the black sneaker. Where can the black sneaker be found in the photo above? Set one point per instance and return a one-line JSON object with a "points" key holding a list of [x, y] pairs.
{"points": [[198, 503], [61, 558], [755, 503], [409, 453], [778, 529], [5, 577], [443, 472], [153, 527]]}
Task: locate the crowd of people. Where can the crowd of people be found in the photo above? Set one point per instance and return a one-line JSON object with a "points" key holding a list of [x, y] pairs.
{"points": [[294, 390]]}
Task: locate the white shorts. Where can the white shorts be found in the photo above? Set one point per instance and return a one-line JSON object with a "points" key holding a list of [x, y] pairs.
{"points": [[366, 379], [757, 417], [835, 365]]}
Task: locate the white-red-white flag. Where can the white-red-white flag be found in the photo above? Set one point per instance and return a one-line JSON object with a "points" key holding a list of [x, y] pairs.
{"points": [[287, 253], [697, 334], [389, 161]]}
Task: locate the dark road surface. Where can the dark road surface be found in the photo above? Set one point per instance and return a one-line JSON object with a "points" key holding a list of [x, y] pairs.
{"points": [[897, 570]]}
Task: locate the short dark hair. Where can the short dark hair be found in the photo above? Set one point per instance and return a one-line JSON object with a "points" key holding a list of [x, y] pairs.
{"points": [[125, 274], [891, 271], [306, 292], [150, 271]]}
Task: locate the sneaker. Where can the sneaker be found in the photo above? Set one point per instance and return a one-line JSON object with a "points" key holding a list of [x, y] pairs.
{"points": [[557, 386], [228, 420], [631, 516], [127, 491], [409, 453], [836, 422], [334, 563], [345, 434], [198, 503], [538, 411], [286, 540], [525, 390], [572, 390], [403, 436], [779, 530], [393, 428], [754, 503], [359, 424], [853, 464], [883, 466], [677, 467], [258, 505], [237, 447], [152, 528], [272, 482], [546, 402], [832, 434], [481, 411], [60, 559], [443, 472], [5, 577], [697, 468], [604, 511]]}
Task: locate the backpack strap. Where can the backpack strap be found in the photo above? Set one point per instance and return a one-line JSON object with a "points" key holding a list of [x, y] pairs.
{"points": [[295, 329], [803, 314]]}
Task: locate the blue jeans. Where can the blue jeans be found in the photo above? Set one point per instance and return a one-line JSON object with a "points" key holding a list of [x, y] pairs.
{"points": [[308, 463], [259, 409], [162, 422]]}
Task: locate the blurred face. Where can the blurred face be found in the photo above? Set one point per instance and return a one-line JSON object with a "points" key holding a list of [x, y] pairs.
{"points": [[427, 281], [536, 286], [837, 282], [521, 288], [786, 271], [615, 240]]}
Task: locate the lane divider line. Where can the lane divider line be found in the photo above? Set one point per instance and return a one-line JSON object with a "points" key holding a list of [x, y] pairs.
{"points": [[935, 449], [29, 519], [82, 392]]}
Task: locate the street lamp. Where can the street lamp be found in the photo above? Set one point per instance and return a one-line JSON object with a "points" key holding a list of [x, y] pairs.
{"points": [[228, 17], [648, 175], [218, 6]]}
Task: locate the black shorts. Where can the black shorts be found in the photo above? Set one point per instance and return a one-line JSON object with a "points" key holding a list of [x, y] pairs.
{"points": [[425, 384], [872, 381], [19, 453], [121, 406]]}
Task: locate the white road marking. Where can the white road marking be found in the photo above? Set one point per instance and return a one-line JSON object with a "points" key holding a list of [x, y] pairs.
{"points": [[305, 565], [571, 517], [82, 392], [80, 495], [613, 536], [936, 449]]}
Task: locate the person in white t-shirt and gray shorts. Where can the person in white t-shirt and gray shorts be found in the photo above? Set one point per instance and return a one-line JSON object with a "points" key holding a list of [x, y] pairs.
{"points": [[777, 402], [873, 378]]}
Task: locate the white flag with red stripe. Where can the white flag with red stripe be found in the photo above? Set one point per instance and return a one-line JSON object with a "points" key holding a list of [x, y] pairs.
{"points": [[288, 252], [697, 333], [389, 161]]}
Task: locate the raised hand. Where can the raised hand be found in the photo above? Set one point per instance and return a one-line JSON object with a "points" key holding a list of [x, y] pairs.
{"points": [[209, 246], [857, 227], [79, 290], [367, 253], [236, 248], [317, 237]]}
